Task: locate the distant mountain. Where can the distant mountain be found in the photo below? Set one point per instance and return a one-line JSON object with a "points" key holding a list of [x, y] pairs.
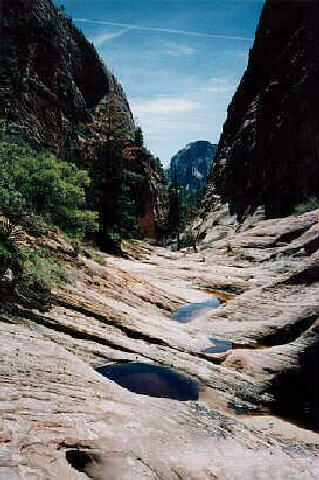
{"points": [[192, 165]]}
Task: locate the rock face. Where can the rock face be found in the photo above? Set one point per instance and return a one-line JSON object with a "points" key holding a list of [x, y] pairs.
{"points": [[149, 192], [192, 165], [61, 419], [57, 93], [268, 152]]}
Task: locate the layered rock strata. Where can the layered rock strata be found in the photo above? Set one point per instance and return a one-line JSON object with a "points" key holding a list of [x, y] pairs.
{"points": [[57, 94], [268, 151], [60, 418]]}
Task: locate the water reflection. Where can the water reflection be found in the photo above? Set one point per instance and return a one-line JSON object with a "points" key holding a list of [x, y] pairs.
{"points": [[153, 380], [218, 346], [190, 310]]}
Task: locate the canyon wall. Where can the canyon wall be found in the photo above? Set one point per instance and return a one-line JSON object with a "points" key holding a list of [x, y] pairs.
{"points": [[58, 95], [268, 151], [192, 163]]}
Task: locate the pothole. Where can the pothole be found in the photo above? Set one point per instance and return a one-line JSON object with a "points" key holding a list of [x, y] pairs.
{"points": [[189, 312], [218, 346], [153, 380], [78, 459]]}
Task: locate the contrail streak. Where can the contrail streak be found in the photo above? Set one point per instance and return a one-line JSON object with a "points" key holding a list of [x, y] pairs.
{"points": [[164, 30], [99, 40]]}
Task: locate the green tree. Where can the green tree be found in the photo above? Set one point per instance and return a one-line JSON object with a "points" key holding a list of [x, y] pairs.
{"points": [[40, 183], [174, 209], [139, 139]]}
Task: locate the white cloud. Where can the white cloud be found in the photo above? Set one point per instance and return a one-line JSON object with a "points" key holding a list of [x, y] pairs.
{"points": [[102, 38], [218, 89], [163, 106], [218, 85], [198, 113], [177, 50], [164, 30]]}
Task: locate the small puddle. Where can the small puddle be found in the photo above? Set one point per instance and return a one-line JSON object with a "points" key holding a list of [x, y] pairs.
{"points": [[189, 311], [218, 346], [153, 380]]}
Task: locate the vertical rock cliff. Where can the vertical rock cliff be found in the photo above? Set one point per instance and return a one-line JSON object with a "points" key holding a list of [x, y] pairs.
{"points": [[192, 164], [57, 94], [268, 151]]}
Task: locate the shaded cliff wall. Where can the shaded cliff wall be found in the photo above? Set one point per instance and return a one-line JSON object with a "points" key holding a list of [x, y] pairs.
{"points": [[151, 194], [57, 93], [192, 164], [268, 151]]}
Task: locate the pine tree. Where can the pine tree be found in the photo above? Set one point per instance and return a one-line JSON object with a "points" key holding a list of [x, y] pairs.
{"points": [[174, 208], [139, 140]]}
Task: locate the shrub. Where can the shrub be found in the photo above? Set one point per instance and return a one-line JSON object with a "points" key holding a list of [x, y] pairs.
{"points": [[138, 140], [42, 269], [9, 254], [309, 204], [20, 282], [95, 255], [32, 183], [33, 270]]}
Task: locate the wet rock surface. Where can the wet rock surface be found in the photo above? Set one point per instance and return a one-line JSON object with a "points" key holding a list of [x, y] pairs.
{"points": [[62, 419]]}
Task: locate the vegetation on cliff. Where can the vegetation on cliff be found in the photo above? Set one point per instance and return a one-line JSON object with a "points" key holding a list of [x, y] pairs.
{"points": [[187, 179], [37, 191], [41, 184], [59, 96]]}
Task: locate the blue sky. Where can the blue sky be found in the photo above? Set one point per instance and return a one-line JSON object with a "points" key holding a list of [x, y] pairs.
{"points": [[179, 61]]}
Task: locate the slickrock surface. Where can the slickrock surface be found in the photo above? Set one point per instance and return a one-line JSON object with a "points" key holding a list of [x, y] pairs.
{"points": [[57, 411]]}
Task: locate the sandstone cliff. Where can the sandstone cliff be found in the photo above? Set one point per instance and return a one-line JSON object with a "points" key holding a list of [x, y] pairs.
{"points": [[268, 152], [61, 419], [57, 93]]}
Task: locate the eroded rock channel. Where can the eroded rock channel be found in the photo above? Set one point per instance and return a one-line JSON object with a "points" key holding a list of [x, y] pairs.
{"points": [[193, 388], [113, 313]]}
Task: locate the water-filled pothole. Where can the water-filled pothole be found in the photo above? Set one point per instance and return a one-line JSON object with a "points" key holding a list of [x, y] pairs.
{"points": [[218, 346], [153, 380], [189, 311]]}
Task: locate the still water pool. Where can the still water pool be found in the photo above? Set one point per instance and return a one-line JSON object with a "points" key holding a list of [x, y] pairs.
{"points": [[218, 346], [189, 311], [153, 380]]}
